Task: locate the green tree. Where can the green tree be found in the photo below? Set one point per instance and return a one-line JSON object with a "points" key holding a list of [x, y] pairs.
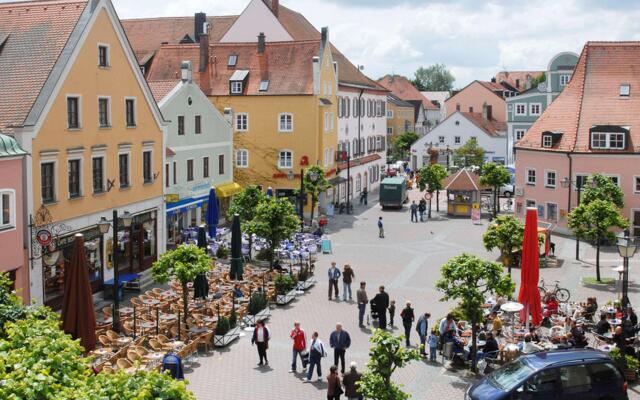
{"points": [[244, 204], [275, 221], [435, 78], [594, 221], [494, 175], [387, 354], [401, 145], [184, 263], [536, 80], [469, 280], [315, 186], [601, 187], [469, 154], [430, 178], [505, 234]]}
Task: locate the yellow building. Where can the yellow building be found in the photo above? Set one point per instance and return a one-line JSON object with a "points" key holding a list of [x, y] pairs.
{"points": [[94, 133], [400, 116]]}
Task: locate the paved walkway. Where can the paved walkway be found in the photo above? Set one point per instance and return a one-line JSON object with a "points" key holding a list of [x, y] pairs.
{"points": [[407, 262]]}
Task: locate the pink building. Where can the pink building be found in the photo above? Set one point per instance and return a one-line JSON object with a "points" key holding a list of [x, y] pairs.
{"points": [[477, 94], [12, 233], [592, 127]]}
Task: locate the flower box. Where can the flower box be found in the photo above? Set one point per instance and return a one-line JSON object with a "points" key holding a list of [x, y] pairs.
{"points": [[304, 285], [282, 299], [226, 339], [263, 314]]}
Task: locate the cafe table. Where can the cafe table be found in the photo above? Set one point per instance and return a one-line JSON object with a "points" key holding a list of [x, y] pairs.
{"points": [[168, 317], [123, 341], [151, 302]]}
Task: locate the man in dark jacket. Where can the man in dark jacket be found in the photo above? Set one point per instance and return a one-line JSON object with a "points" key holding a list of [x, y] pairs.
{"points": [[422, 207], [381, 302], [422, 327], [340, 342], [349, 381]]}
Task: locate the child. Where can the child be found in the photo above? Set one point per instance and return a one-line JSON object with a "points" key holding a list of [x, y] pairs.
{"points": [[432, 341], [392, 312]]}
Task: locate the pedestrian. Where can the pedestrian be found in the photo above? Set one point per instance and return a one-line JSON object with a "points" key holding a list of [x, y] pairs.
{"points": [[299, 339], [407, 316], [334, 387], [381, 301], [347, 278], [422, 207], [334, 276], [361, 296], [316, 353], [422, 327], [392, 312], [432, 340], [339, 342], [260, 338], [350, 380], [380, 228], [365, 194], [414, 211]]}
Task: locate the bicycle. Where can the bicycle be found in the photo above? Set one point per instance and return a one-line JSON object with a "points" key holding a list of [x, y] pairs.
{"points": [[561, 294], [508, 205]]}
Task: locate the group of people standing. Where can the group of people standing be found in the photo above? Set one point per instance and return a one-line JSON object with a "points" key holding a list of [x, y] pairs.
{"points": [[418, 209]]}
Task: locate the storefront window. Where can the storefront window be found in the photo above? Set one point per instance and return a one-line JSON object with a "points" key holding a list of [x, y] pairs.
{"points": [[137, 245]]}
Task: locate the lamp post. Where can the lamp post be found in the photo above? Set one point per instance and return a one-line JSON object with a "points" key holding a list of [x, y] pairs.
{"points": [[103, 227], [627, 247], [313, 178], [568, 184], [291, 176]]}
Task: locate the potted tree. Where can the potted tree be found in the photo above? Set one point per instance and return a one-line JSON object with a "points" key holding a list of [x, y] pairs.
{"points": [[285, 289], [275, 220], [226, 330], [258, 309], [305, 278], [628, 364]]}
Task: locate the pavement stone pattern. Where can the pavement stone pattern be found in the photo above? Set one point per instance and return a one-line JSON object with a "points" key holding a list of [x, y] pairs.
{"points": [[407, 262]]}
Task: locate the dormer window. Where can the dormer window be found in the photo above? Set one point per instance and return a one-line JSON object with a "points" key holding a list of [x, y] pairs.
{"points": [[550, 139], [547, 141], [608, 137], [233, 59], [237, 82], [625, 90], [236, 87]]}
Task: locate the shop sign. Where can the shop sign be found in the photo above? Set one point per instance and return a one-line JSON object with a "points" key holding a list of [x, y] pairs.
{"points": [[475, 213], [171, 198], [44, 237]]}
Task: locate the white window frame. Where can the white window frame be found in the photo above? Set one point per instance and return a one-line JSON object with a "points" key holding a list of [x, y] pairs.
{"points": [[150, 150], [328, 121], [246, 122], [193, 169], [108, 55], [389, 114], [126, 152], [284, 166], [547, 211], [526, 177], [135, 112], [564, 79], [358, 183], [607, 139], [327, 157], [12, 210], [457, 139], [56, 180], [520, 114], [282, 117], [547, 141], [546, 178], [208, 164], [636, 181], [79, 97], [616, 177], [517, 133], [441, 139], [236, 87], [245, 154], [625, 90], [102, 155], [531, 111], [109, 115], [390, 130]]}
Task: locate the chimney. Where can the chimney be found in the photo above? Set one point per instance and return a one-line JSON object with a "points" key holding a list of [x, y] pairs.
{"points": [[187, 71], [517, 83], [228, 115], [261, 43], [205, 79], [275, 7], [262, 58], [324, 38], [198, 25], [493, 80], [316, 74]]}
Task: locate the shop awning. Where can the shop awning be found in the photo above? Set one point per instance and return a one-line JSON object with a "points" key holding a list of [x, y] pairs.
{"points": [[228, 189], [337, 180]]}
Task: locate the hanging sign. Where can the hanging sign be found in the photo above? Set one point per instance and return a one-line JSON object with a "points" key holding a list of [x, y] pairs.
{"points": [[44, 237]]}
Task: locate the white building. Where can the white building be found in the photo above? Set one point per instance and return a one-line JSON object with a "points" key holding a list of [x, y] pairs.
{"points": [[455, 131], [438, 98]]}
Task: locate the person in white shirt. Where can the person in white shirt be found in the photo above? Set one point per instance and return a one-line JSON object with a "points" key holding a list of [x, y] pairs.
{"points": [[530, 347], [316, 353], [260, 338]]}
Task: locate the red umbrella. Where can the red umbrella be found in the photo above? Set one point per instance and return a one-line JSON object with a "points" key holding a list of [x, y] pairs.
{"points": [[529, 295], [78, 314]]}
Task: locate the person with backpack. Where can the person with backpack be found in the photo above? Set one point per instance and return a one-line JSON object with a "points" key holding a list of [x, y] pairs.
{"points": [[316, 354]]}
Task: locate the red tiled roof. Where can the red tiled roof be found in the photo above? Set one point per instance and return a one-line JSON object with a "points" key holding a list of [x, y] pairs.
{"points": [[592, 98], [36, 32], [493, 86], [404, 89], [462, 180], [360, 161], [522, 76], [160, 89], [492, 127]]}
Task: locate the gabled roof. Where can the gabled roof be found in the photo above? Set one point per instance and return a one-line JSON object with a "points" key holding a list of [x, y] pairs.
{"points": [[489, 86], [391, 98], [462, 180], [404, 89], [160, 89], [592, 98], [35, 34], [491, 126]]}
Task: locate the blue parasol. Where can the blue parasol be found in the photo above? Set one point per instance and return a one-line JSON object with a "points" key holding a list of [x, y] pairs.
{"points": [[269, 191], [212, 213]]}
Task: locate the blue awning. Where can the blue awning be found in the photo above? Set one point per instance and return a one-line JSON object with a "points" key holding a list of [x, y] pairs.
{"points": [[185, 204]]}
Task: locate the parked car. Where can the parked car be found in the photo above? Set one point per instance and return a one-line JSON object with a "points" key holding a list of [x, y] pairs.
{"points": [[506, 190], [559, 374]]}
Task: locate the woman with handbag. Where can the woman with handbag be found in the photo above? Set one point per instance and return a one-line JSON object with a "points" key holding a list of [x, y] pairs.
{"points": [[334, 387]]}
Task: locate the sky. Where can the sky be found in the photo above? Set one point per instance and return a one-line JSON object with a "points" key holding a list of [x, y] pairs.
{"points": [[474, 39]]}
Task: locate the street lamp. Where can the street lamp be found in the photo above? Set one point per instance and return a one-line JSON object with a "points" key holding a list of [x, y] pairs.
{"points": [[301, 200], [627, 247], [567, 183]]}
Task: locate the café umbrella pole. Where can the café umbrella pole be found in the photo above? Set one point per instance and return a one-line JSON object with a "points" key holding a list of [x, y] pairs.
{"points": [[135, 321], [179, 327], [157, 321]]}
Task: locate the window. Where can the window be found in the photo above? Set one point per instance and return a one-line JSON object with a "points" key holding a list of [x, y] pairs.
{"points": [[534, 108], [604, 373], [470, 109], [103, 112], [97, 170], [550, 179], [540, 210], [456, 139], [575, 379], [552, 212], [389, 114], [440, 139], [530, 203], [8, 206], [347, 107], [221, 164], [180, 125], [520, 133], [340, 107], [608, 140], [521, 109], [625, 90], [531, 176], [73, 112], [636, 184], [236, 87], [615, 179], [285, 159], [328, 121], [564, 79], [123, 165], [205, 167], [358, 183], [285, 123], [242, 122], [73, 169], [130, 110], [189, 170], [390, 130], [166, 175], [547, 141], [457, 106], [198, 123], [233, 59], [147, 175], [103, 56], [542, 384], [242, 158], [264, 86], [175, 173]]}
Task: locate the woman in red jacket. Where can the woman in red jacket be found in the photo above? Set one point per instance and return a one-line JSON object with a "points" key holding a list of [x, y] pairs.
{"points": [[299, 345]]}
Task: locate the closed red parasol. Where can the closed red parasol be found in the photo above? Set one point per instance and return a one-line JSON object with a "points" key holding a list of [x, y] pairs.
{"points": [[78, 314], [529, 295]]}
